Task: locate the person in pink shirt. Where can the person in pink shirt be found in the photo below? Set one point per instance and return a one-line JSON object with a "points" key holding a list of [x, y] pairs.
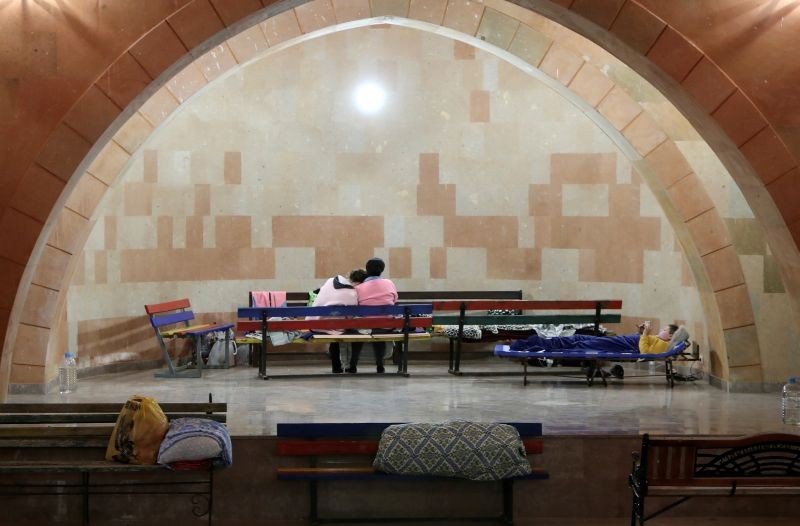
{"points": [[374, 291]]}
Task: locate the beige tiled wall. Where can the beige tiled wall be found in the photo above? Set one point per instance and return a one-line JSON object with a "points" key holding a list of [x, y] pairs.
{"points": [[272, 179]]}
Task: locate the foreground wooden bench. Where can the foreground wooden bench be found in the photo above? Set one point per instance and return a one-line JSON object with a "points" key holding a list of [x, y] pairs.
{"points": [[583, 312], [686, 467], [325, 445], [266, 319], [171, 320], [66, 443]]}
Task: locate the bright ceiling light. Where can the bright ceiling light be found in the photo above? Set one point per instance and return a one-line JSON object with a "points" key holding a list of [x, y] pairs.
{"points": [[370, 97]]}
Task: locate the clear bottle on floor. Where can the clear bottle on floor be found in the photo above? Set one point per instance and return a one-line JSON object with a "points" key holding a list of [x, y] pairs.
{"points": [[790, 402], [68, 374]]}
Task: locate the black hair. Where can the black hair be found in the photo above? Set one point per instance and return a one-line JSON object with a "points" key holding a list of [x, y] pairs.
{"points": [[375, 267], [672, 328], [358, 275]]}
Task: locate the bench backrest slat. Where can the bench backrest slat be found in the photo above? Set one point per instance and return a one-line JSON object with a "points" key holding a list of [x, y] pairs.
{"points": [[93, 418], [527, 305], [543, 319], [170, 319], [369, 430], [341, 323], [460, 295], [158, 308], [167, 407], [311, 448], [344, 310]]}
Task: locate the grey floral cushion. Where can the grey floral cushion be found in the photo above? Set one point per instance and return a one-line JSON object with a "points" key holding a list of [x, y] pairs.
{"points": [[475, 451]]}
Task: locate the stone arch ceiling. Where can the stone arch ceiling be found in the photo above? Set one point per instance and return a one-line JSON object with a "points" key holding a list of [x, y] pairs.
{"points": [[72, 99]]}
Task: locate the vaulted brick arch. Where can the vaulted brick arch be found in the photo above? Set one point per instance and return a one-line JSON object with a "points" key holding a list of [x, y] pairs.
{"points": [[68, 178]]}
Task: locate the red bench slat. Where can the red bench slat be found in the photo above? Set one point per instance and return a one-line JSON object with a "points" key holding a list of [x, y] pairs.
{"points": [[156, 308], [308, 448]]}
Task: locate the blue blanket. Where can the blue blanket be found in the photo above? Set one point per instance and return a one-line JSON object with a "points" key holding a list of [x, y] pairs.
{"points": [[628, 343]]}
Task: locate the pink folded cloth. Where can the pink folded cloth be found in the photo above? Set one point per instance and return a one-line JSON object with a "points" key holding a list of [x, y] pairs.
{"points": [[266, 298]]}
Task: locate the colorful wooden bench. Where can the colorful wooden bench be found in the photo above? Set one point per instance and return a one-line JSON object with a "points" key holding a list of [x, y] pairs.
{"points": [[403, 317], [466, 315], [703, 466], [172, 319], [66, 443], [325, 445]]}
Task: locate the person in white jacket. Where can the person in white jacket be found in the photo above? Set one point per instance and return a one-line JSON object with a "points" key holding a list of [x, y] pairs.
{"points": [[339, 290]]}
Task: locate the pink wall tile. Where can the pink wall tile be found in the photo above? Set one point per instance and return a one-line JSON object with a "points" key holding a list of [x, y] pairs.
{"points": [[624, 200], [216, 61], [69, 231], [588, 168], [644, 133], [561, 64], [734, 306], [37, 193], [429, 168], [109, 163], [611, 264], [709, 232], [27, 374], [463, 51], [187, 82], [86, 195], [248, 44], [723, 268], [768, 155], [668, 163], [51, 268], [591, 84], [400, 262], [165, 232], [323, 231], [150, 166], [428, 10], [34, 339], [436, 199], [690, 197], [194, 232], [594, 232], [202, 199], [739, 118], [347, 10], [281, 27], [544, 200], [479, 106], [463, 15], [619, 108], [481, 231], [233, 168], [138, 200], [390, 7], [40, 306], [233, 231], [18, 234], [196, 264], [438, 263], [314, 15], [514, 263], [159, 107], [133, 133]]}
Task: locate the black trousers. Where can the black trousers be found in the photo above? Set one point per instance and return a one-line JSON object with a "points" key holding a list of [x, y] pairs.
{"points": [[379, 348]]}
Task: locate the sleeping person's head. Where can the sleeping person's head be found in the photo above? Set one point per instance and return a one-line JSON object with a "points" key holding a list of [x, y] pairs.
{"points": [[667, 332]]}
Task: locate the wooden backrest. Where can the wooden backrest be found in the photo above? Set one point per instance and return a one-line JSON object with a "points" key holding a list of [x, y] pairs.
{"points": [[594, 314], [311, 440], [81, 424], [760, 460], [169, 313], [425, 296], [334, 317]]}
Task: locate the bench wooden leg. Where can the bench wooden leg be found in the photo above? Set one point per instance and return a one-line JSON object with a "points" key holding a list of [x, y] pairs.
{"points": [[85, 482], [313, 516], [508, 502]]}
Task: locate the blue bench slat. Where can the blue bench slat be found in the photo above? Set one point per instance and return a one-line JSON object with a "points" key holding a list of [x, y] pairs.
{"points": [[584, 354], [387, 476], [373, 430], [347, 310], [161, 320]]}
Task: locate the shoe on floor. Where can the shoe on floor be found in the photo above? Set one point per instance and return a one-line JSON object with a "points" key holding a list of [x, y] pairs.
{"points": [[381, 370], [618, 372], [337, 370], [351, 370]]}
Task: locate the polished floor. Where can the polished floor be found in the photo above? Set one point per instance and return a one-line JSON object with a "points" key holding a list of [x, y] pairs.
{"points": [[565, 405]]}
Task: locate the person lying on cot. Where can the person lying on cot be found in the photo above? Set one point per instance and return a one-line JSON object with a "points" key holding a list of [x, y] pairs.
{"points": [[645, 343]]}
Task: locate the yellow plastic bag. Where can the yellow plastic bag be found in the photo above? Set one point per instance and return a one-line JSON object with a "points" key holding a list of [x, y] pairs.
{"points": [[140, 428]]}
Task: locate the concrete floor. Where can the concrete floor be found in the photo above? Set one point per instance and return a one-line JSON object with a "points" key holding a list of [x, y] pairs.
{"points": [[565, 405]]}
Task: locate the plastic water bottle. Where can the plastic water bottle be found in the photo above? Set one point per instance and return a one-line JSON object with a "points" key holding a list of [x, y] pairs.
{"points": [[790, 403], [68, 374]]}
